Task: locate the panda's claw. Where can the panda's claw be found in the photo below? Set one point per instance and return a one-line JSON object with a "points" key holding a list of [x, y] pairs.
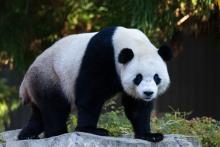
{"points": [[152, 137], [23, 137]]}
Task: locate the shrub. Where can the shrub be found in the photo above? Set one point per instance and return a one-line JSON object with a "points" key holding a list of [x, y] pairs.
{"points": [[206, 129], [116, 123], [8, 103]]}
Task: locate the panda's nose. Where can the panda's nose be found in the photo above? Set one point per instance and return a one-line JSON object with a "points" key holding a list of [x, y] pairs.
{"points": [[148, 93]]}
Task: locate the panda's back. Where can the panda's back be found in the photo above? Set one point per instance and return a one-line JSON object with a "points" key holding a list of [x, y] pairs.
{"points": [[57, 65], [68, 59]]}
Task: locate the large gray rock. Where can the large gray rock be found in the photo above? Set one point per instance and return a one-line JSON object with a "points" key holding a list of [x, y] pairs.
{"points": [[78, 139]]}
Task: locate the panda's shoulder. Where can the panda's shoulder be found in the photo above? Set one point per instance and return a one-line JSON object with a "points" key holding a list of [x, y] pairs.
{"points": [[72, 41]]}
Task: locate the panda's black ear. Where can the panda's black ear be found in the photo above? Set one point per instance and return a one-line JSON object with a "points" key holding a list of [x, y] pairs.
{"points": [[125, 55], [165, 52]]}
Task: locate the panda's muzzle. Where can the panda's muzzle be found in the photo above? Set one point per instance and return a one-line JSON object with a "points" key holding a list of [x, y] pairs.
{"points": [[148, 93]]}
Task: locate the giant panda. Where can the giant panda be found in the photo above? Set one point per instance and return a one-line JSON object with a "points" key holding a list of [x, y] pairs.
{"points": [[80, 72]]}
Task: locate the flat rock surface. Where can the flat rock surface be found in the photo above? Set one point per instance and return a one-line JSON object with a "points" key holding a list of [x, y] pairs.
{"points": [[79, 139]]}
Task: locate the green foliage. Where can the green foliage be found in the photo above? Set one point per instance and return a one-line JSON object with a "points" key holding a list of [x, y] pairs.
{"points": [[71, 123], [84, 16], [2, 141], [115, 122], [28, 27], [206, 129], [8, 103]]}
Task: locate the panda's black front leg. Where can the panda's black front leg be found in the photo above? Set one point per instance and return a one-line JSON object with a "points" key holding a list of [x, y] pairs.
{"points": [[139, 113], [87, 122], [88, 111]]}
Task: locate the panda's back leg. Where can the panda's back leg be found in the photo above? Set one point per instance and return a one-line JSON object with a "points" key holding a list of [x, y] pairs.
{"points": [[54, 108], [55, 111], [51, 102], [34, 126]]}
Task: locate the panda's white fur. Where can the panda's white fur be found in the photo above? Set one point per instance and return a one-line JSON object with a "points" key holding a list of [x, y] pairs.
{"points": [[62, 61], [66, 65], [146, 61]]}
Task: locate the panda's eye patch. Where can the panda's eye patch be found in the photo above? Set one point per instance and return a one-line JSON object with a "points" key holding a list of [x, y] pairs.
{"points": [[157, 79], [137, 80]]}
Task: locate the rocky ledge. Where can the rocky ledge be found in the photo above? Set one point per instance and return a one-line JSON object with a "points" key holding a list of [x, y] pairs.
{"points": [[79, 139]]}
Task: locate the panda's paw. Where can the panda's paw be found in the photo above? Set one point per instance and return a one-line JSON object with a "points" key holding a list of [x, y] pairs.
{"points": [[152, 137], [25, 137], [96, 131]]}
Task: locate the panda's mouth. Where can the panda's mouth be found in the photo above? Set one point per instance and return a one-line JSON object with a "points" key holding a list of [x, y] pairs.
{"points": [[149, 98]]}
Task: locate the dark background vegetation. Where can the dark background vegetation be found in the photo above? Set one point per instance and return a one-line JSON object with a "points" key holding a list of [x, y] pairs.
{"points": [[191, 27]]}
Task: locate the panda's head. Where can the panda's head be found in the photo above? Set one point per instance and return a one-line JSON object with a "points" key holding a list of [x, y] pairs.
{"points": [[141, 66]]}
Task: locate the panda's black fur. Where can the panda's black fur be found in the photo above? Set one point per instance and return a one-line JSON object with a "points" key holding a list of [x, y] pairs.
{"points": [[96, 82], [94, 87]]}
